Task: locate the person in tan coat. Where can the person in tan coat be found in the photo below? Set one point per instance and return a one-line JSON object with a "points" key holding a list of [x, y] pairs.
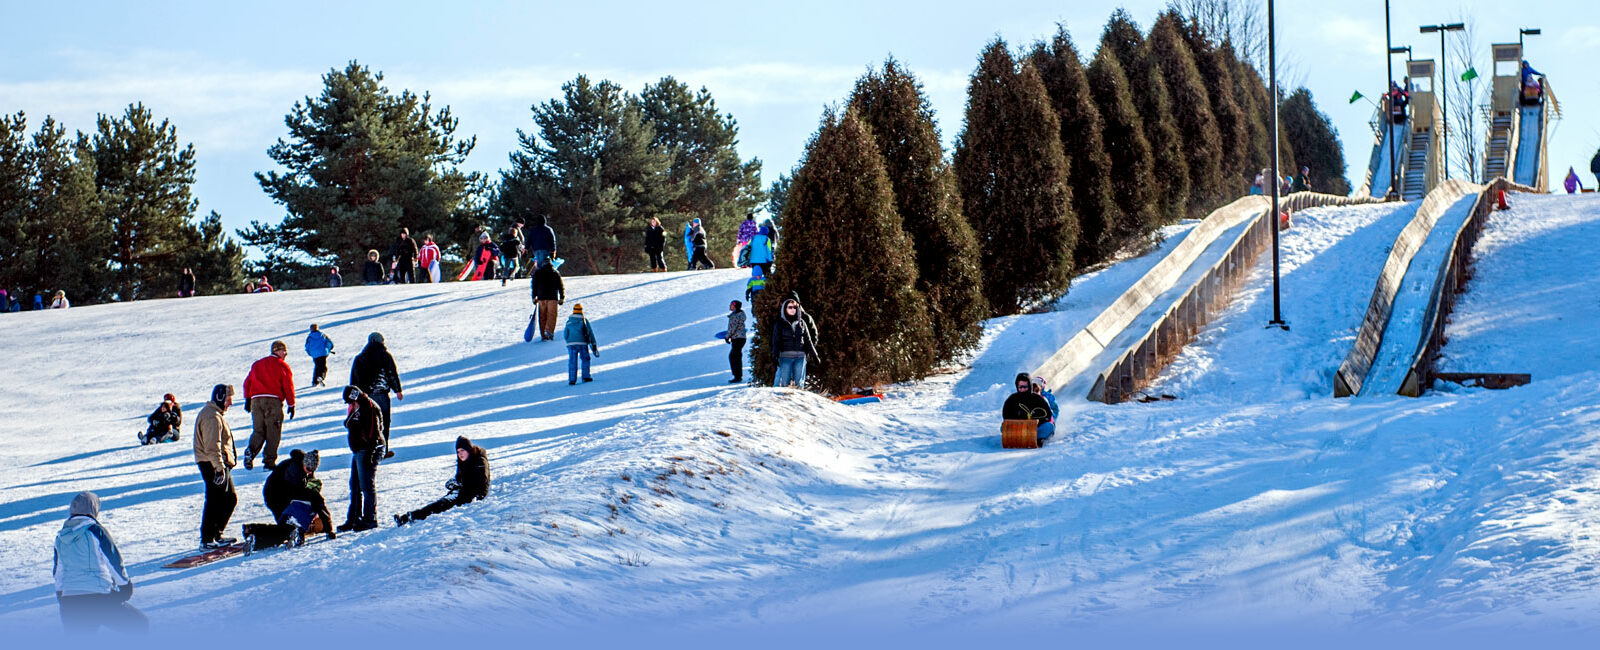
{"points": [[215, 454]]}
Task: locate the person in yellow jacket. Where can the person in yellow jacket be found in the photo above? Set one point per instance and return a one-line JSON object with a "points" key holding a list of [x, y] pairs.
{"points": [[215, 454]]}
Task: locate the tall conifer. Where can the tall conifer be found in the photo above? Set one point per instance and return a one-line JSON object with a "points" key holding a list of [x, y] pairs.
{"points": [[1013, 179], [1191, 104], [893, 106], [847, 257], [1088, 166], [1126, 146], [1171, 172], [1314, 141], [1216, 72]]}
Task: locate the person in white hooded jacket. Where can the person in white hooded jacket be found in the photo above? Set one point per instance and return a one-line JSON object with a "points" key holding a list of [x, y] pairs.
{"points": [[92, 586]]}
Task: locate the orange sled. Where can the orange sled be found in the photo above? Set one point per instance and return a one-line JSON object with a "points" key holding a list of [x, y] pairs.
{"points": [[1019, 434]]}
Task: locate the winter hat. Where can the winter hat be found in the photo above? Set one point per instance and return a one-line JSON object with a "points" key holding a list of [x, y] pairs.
{"points": [[375, 338], [463, 443], [279, 345], [1022, 378], [352, 394], [312, 460], [169, 397], [86, 503], [220, 393], [1039, 381], [483, 237], [577, 308]]}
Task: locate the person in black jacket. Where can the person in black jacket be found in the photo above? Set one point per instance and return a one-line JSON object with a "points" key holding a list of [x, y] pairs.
{"points": [[405, 258], [793, 337], [1594, 167], [655, 244], [296, 481], [1028, 405], [470, 484], [699, 259], [366, 437], [373, 371], [186, 283], [541, 241], [372, 271], [164, 422], [548, 292], [511, 251]]}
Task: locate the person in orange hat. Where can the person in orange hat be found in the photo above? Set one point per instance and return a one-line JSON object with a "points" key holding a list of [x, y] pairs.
{"points": [[580, 343]]}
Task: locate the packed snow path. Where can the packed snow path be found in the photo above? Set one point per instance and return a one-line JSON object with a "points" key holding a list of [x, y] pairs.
{"points": [[660, 495]]}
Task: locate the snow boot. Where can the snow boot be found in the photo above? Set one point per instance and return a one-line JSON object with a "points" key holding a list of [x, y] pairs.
{"points": [[400, 520], [249, 461], [346, 527]]}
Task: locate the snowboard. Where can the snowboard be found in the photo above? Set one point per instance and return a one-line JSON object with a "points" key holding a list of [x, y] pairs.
{"points": [[533, 324], [206, 557], [465, 271]]}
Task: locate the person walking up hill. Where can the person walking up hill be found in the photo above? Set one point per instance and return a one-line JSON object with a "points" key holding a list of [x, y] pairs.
{"points": [[373, 371], [318, 347], [580, 343], [268, 387], [548, 293]]}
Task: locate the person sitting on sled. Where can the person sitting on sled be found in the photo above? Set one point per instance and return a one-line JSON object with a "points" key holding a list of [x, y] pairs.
{"points": [[164, 422], [1028, 405]]}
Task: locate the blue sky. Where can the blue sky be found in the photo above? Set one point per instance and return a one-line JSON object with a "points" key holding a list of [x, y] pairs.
{"points": [[226, 73]]}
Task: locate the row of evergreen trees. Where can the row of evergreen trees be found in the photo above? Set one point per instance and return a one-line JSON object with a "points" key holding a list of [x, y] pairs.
{"points": [[899, 252], [108, 215]]}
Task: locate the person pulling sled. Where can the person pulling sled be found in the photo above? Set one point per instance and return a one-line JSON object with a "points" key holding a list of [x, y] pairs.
{"points": [[470, 484]]}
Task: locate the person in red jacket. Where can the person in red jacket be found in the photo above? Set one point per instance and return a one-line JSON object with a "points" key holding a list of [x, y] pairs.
{"points": [[268, 387]]}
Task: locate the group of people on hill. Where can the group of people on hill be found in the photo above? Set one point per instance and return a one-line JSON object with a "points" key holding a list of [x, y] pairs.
{"points": [[1286, 185]]}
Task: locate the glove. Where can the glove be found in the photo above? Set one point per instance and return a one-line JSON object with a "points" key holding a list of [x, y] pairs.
{"points": [[125, 592], [377, 453], [596, 352], [400, 396], [452, 485], [247, 405], [220, 478], [291, 411]]}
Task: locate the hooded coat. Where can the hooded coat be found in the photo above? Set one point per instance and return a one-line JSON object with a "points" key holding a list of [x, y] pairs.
{"points": [[472, 474], [287, 483], [86, 559], [363, 421], [793, 337], [373, 370]]}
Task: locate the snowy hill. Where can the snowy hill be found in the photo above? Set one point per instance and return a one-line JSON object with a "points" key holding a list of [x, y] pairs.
{"points": [[659, 493]]}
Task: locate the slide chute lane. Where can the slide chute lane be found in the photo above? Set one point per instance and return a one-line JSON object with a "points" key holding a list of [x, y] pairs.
{"points": [[1379, 165], [1530, 133]]}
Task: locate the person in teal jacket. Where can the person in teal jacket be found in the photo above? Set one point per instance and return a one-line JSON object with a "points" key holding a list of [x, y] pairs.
{"points": [[580, 343], [92, 585], [761, 250]]}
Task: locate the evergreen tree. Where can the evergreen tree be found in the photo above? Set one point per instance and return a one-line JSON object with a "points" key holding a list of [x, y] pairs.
{"points": [[847, 257], [361, 163], [53, 231], [1314, 142], [1251, 96], [144, 181], [218, 261], [893, 106], [1216, 72], [1123, 40], [1126, 146], [777, 196], [711, 181], [593, 171], [1088, 167], [1191, 106], [1013, 180]]}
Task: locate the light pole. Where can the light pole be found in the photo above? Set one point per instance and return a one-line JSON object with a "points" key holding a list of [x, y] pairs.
{"points": [[1272, 91], [1525, 32], [1444, 78], [1388, 118]]}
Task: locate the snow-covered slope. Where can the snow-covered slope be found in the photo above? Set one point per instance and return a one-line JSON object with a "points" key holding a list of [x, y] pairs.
{"points": [[659, 494]]}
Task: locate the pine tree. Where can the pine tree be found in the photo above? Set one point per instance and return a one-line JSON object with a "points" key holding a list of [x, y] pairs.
{"points": [[1216, 72], [1314, 142], [1251, 96], [893, 106], [1088, 166], [1191, 105], [1013, 180], [1123, 40], [217, 260], [777, 196], [144, 180], [1126, 146], [594, 171], [711, 181], [53, 231], [847, 257], [361, 163]]}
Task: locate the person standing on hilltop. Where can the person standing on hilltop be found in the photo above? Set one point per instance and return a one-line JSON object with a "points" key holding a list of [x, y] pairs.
{"points": [[405, 258], [655, 244]]}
